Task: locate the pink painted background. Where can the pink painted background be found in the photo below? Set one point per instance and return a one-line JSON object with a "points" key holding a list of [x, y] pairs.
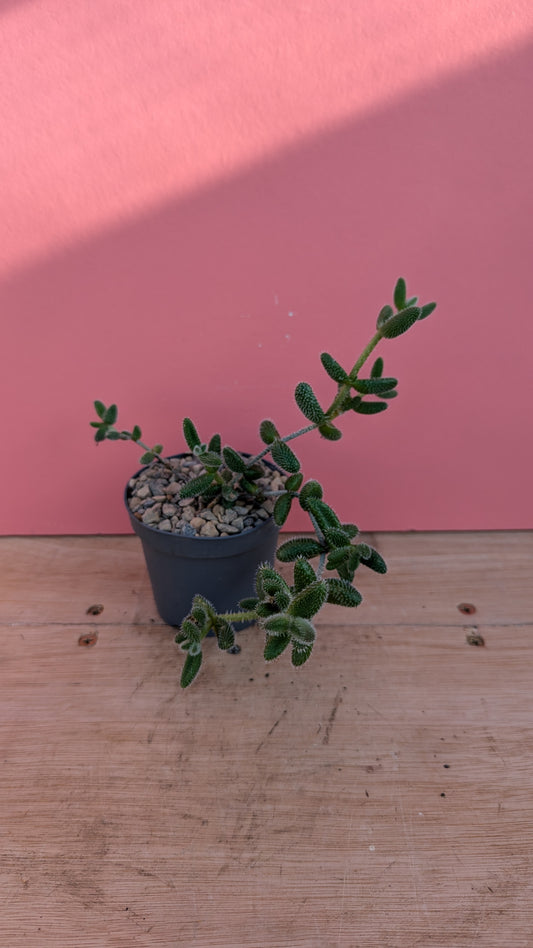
{"points": [[198, 198]]}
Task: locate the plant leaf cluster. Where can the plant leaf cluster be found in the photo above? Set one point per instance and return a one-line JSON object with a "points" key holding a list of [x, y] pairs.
{"points": [[284, 611]]}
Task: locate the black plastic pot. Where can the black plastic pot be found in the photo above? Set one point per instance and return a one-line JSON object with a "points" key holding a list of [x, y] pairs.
{"points": [[220, 568]]}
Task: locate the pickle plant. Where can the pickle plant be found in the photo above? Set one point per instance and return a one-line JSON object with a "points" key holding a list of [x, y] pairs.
{"points": [[284, 611]]}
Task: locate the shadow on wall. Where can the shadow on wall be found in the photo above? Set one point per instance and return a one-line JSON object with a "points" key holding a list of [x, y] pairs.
{"points": [[217, 304]]}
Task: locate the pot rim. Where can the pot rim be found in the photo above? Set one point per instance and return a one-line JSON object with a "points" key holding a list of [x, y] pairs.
{"points": [[163, 533]]}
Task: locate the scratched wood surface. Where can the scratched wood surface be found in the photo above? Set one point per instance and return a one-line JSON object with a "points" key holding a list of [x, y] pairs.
{"points": [[380, 797]]}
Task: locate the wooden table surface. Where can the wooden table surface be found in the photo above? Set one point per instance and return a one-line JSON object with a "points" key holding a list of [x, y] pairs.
{"points": [[379, 797]]}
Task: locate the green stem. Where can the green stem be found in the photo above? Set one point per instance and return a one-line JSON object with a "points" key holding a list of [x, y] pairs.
{"points": [[334, 410], [238, 616]]}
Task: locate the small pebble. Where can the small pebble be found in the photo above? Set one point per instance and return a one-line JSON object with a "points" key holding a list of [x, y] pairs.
{"points": [[198, 522], [165, 526], [169, 510], [226, 528], [151, 516], [209, 530], [143, 492]]}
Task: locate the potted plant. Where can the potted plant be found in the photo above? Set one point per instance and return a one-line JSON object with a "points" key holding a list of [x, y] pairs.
{"points": [[209, 519]]}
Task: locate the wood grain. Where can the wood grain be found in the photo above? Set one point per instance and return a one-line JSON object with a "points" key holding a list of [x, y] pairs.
{"points": [[379, 797]]}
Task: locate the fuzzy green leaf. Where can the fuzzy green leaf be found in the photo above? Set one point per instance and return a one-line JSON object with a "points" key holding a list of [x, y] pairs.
{"points": [[190, 669], [350, 529], [393, 394], [330, 432], [294, 482], [248, 604], [400, 294], [324, 515], [304, 574], [369, 408], [309, 490], [400, 323], [385, 314], [111, 415], [191, 435], [375, 562], [309, 601], [338, 556], [308, 403], [147, 457], [268, 581], [196, 486], [332, 367], [278, 625], [157, 448], [136, 433], [377, 369], [215, 444], [234, 461], [282, 509], [342, 593], [284, 457], [426, 310], [264, 610], [268, 431], [373, 386], [210, 459], [299, 546], [300, 654], [275, 645], [335, 538], [225, 634], [100, 409], [113, 435]]}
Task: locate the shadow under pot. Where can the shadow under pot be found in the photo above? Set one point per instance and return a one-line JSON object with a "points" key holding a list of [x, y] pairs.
{"points": [[220, 568]]}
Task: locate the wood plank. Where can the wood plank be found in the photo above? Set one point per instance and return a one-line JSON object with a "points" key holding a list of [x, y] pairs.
{"points": [[380, 797], [58, 578]]}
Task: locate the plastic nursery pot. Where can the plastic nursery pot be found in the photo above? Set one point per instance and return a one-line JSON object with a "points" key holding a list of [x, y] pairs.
{"points": [[220, 568]]}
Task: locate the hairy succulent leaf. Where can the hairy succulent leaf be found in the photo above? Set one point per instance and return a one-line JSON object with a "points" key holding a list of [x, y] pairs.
{"points": [[147, 457], [400, 294], [377, 369], [294, 482], [338, 556], [225, 634], [375, 562], [330, 432], [190, 630], [299, 546], [196, 486], [210, 459], [369, 408], [113, 435], [336, 538], [268, 581], [268, 431], [275, 645], [190, 434], [385, 314], [342, 593], [301, 630], [284, 457], [278, 625], [190, 669], [304, 574], [215, 444], [392, 394], [248, 604], [324, 515], [282, 509], [136, 433], [426, 310], [266, 609], [310, 600], [300, 654], [100, 409], [234, 461], [332, 367], [400, 323], [308, 403], [311, 489], [350, 529], [373, 386], [110, 415]]}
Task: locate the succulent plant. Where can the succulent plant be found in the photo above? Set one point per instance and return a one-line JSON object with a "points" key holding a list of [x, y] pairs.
{"points": [[285, 611]]}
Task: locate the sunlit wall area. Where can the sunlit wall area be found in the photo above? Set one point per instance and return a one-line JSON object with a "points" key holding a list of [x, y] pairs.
{"points": [[199, 198]]}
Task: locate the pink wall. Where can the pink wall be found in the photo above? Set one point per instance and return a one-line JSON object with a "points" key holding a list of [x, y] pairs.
{"points": [[197, 198]]}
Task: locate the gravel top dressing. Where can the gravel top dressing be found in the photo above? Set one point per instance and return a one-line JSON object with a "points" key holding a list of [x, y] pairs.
{"points": [[154, 499]]}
